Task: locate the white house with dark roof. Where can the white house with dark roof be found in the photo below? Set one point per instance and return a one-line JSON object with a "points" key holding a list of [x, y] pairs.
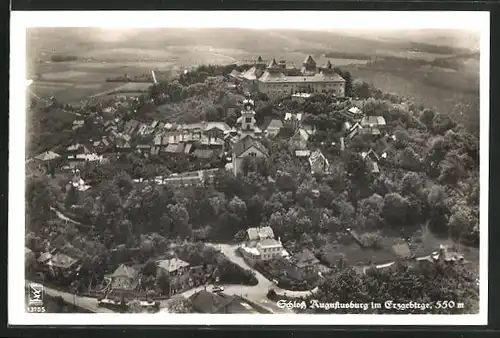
{"points": [[261, 245], [318, 162]]}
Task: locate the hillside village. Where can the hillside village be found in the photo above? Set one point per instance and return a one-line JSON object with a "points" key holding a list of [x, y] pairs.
{"points": [[306, 177]]}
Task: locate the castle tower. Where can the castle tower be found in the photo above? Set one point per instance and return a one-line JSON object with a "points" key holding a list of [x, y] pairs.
{"points": [[328, 67], [309, 65], [273, 66]]}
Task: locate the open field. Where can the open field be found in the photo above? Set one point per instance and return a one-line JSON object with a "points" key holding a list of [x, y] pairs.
{"points": [[108, 53], [445, 90]]}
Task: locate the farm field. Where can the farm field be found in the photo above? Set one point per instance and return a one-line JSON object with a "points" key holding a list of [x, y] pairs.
{"points": [[446, 91], [69, 92], [129, 88], [171, 51]]}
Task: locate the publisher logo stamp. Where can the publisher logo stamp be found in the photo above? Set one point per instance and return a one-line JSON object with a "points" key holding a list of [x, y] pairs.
{"points": [[35, 294]]}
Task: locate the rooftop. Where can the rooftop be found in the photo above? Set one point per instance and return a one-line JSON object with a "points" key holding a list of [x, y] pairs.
{"points": [[309, 59], [275, 124], [47, 156], [125, 271], [373, 121], [272, 77], [246, 143], [207, 302], [172, 264], [269, 242], [61, 260], [258, 233]]}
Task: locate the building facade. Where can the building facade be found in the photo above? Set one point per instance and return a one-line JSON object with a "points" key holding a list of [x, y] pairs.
{"points": [[311, 79], [262, 246]]}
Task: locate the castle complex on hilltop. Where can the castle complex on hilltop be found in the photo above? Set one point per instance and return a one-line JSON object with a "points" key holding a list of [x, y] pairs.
{"points": [[279, 78]]}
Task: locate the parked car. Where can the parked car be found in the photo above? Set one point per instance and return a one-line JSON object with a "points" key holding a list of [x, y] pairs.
{"points": [[111, 304], [217, 288], [150, 305]]}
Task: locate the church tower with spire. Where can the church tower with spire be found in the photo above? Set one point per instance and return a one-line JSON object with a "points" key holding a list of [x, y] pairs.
{"points": [[247, 118]]}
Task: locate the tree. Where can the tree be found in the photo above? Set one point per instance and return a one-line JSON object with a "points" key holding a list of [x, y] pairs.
{"points": [[427, 117], [212, 114], [436, 151], [306, 240], [408, 282], [163, 281], [180, 218], [150, 268], [123, 182], [355, 165], [451, 170], [395, 210], [40, 197], [255, 210], [135, 306], [346, 75], [179, 304], [237, 207], [460, 222], [409, 159], [436, 196], [361, 90], [374, 107], [71, 197], [285, 182], [344, 210], [369, 210], [411, 183], [442, 123]]}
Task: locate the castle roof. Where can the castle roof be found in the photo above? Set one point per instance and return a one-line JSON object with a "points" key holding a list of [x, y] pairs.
{"points": [[273, 65], [309, 60]]}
